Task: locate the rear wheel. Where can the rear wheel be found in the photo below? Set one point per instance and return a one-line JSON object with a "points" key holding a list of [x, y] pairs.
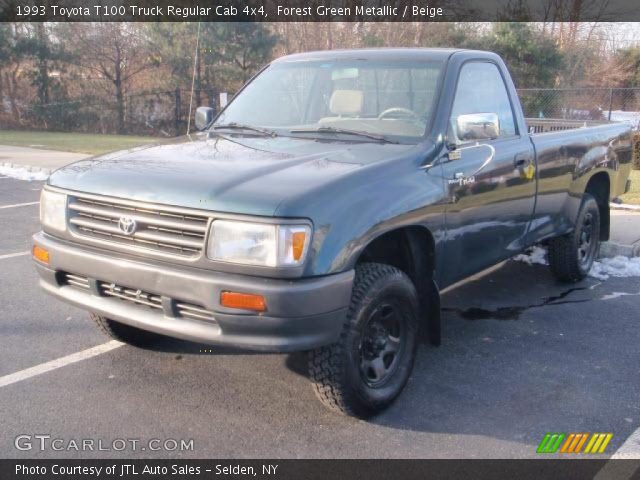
{"points": [[368, 367], [126, 333], [571, 256]]}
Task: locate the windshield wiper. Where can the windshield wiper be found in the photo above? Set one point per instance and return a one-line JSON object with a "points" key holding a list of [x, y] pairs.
{"points": [[334, 130], [242, 126]]}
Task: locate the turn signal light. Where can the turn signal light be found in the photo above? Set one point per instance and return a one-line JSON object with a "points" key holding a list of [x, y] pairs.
{"points": [[243, 301], [297, 244], [40, 254]]}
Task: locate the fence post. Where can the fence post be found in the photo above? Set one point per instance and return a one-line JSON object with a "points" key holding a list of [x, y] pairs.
{"points": [[610, 103], [178, 111], [212, 101]]}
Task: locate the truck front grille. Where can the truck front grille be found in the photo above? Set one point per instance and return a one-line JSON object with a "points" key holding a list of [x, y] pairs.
{"points": [[76, 280], [177, 308], [189, 310], [153, 228], [130, 295]]}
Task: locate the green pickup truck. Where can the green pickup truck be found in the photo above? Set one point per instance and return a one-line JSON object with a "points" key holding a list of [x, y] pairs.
{"points": [[325, 208]]}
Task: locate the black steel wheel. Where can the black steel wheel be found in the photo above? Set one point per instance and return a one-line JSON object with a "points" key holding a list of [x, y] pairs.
{"points": [[587, 241], [382, 343]]}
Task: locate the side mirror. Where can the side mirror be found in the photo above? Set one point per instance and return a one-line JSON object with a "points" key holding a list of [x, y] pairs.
{"points": [[477, 126], [204, 117]]}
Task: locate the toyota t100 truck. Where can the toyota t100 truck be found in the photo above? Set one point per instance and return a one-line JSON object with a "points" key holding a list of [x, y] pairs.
{"points": [[325, 208]]}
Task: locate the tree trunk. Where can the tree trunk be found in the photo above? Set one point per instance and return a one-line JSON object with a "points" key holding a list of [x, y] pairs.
{"points": [[286, 38], [12, 83], [119, 92], [198, 80], [43, 65], [245, 67], [1, 92]]}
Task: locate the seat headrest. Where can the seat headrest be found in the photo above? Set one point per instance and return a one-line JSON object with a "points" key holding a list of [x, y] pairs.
{"points": [[346, 102]]}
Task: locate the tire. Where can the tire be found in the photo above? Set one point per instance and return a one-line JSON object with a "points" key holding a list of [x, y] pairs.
{"points": [[571, 256], [125, 333], [364, 372]]}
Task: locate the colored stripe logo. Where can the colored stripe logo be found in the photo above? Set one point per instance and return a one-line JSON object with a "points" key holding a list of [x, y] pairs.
{"points": [[598, 443], [574, 443], [550, 443]]}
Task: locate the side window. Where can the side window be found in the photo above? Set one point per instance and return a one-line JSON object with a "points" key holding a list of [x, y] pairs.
{"points": [[481, 90]]}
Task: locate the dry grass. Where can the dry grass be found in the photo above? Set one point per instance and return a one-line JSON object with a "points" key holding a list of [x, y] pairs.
{"points": [[633, 196], [93, 144]]}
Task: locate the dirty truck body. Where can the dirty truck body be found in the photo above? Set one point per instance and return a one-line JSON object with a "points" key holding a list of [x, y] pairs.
{"points": [[324, 210]]}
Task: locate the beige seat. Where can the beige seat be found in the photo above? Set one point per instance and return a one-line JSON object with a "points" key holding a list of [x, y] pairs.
{"points": [[346, 107]]}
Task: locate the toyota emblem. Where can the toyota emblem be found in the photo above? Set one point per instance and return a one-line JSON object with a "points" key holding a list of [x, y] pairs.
{"points": [[127, 225]]}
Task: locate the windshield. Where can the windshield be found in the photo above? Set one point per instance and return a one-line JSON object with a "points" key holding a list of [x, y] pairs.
{"points": [[390, 99]]}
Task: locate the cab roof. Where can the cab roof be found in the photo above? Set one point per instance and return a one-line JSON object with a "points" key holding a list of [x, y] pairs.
{"points": [[417, 54]]}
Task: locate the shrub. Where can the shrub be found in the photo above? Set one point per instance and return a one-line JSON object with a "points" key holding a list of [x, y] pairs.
{"points": [[635, 141]]}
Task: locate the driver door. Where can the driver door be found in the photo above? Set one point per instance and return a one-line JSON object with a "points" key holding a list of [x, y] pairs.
{"points": [[490, 182]]}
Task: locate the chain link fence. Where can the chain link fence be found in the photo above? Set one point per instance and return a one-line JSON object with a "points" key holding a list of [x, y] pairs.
{"points": [[160, 113], [603, 104], [165, 113]]}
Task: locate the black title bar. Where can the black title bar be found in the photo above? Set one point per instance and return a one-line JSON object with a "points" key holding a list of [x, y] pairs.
{"points": [[317, 469], [318, 11]]}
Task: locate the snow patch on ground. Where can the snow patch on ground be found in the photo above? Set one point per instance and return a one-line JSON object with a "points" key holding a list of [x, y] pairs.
{"points": [[624, 206], [22, 173], [602, 269], [534, 255], [616, 267], [614, 295]]}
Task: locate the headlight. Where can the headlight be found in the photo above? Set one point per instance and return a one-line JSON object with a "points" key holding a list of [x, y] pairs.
{"points": [[53, 210], [258, 243]]}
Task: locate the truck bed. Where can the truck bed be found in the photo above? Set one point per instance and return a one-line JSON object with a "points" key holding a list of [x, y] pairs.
{"points": [[545, 125], [585, 144], [568, 154]]}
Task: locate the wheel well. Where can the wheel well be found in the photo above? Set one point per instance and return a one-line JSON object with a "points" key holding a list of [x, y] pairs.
{"points": [[599, 186], [412, 250]]}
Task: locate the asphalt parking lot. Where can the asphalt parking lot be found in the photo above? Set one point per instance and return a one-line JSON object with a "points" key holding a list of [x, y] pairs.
{"points": [[521, 356]]}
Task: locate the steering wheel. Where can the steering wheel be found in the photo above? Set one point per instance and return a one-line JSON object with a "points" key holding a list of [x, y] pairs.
{"points": [[394, 111]]}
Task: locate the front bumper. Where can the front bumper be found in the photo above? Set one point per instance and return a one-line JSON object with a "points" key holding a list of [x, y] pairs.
{"points": [[301, 314]]}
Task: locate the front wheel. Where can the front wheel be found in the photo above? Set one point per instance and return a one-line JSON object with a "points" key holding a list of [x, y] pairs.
{"points": [[368, 367], [571, 256]]}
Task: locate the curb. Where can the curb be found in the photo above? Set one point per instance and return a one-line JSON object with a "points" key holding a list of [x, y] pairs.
{"points": [[613, 249], [624, 206], [28, 168]]}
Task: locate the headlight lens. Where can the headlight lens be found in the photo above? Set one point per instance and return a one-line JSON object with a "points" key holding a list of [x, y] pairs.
{"points": [[258, 243], [53, 210]]}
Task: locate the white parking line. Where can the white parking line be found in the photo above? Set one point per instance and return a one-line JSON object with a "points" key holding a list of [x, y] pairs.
{"points": [[59, 363], [18, 205], [630, 448], [11, 255]]}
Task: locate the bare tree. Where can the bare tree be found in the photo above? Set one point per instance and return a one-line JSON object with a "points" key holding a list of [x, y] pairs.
{"points": [[115, 52], [13, 82]]}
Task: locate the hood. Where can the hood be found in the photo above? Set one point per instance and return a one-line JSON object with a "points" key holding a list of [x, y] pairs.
{"points": [[226, 174]]}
